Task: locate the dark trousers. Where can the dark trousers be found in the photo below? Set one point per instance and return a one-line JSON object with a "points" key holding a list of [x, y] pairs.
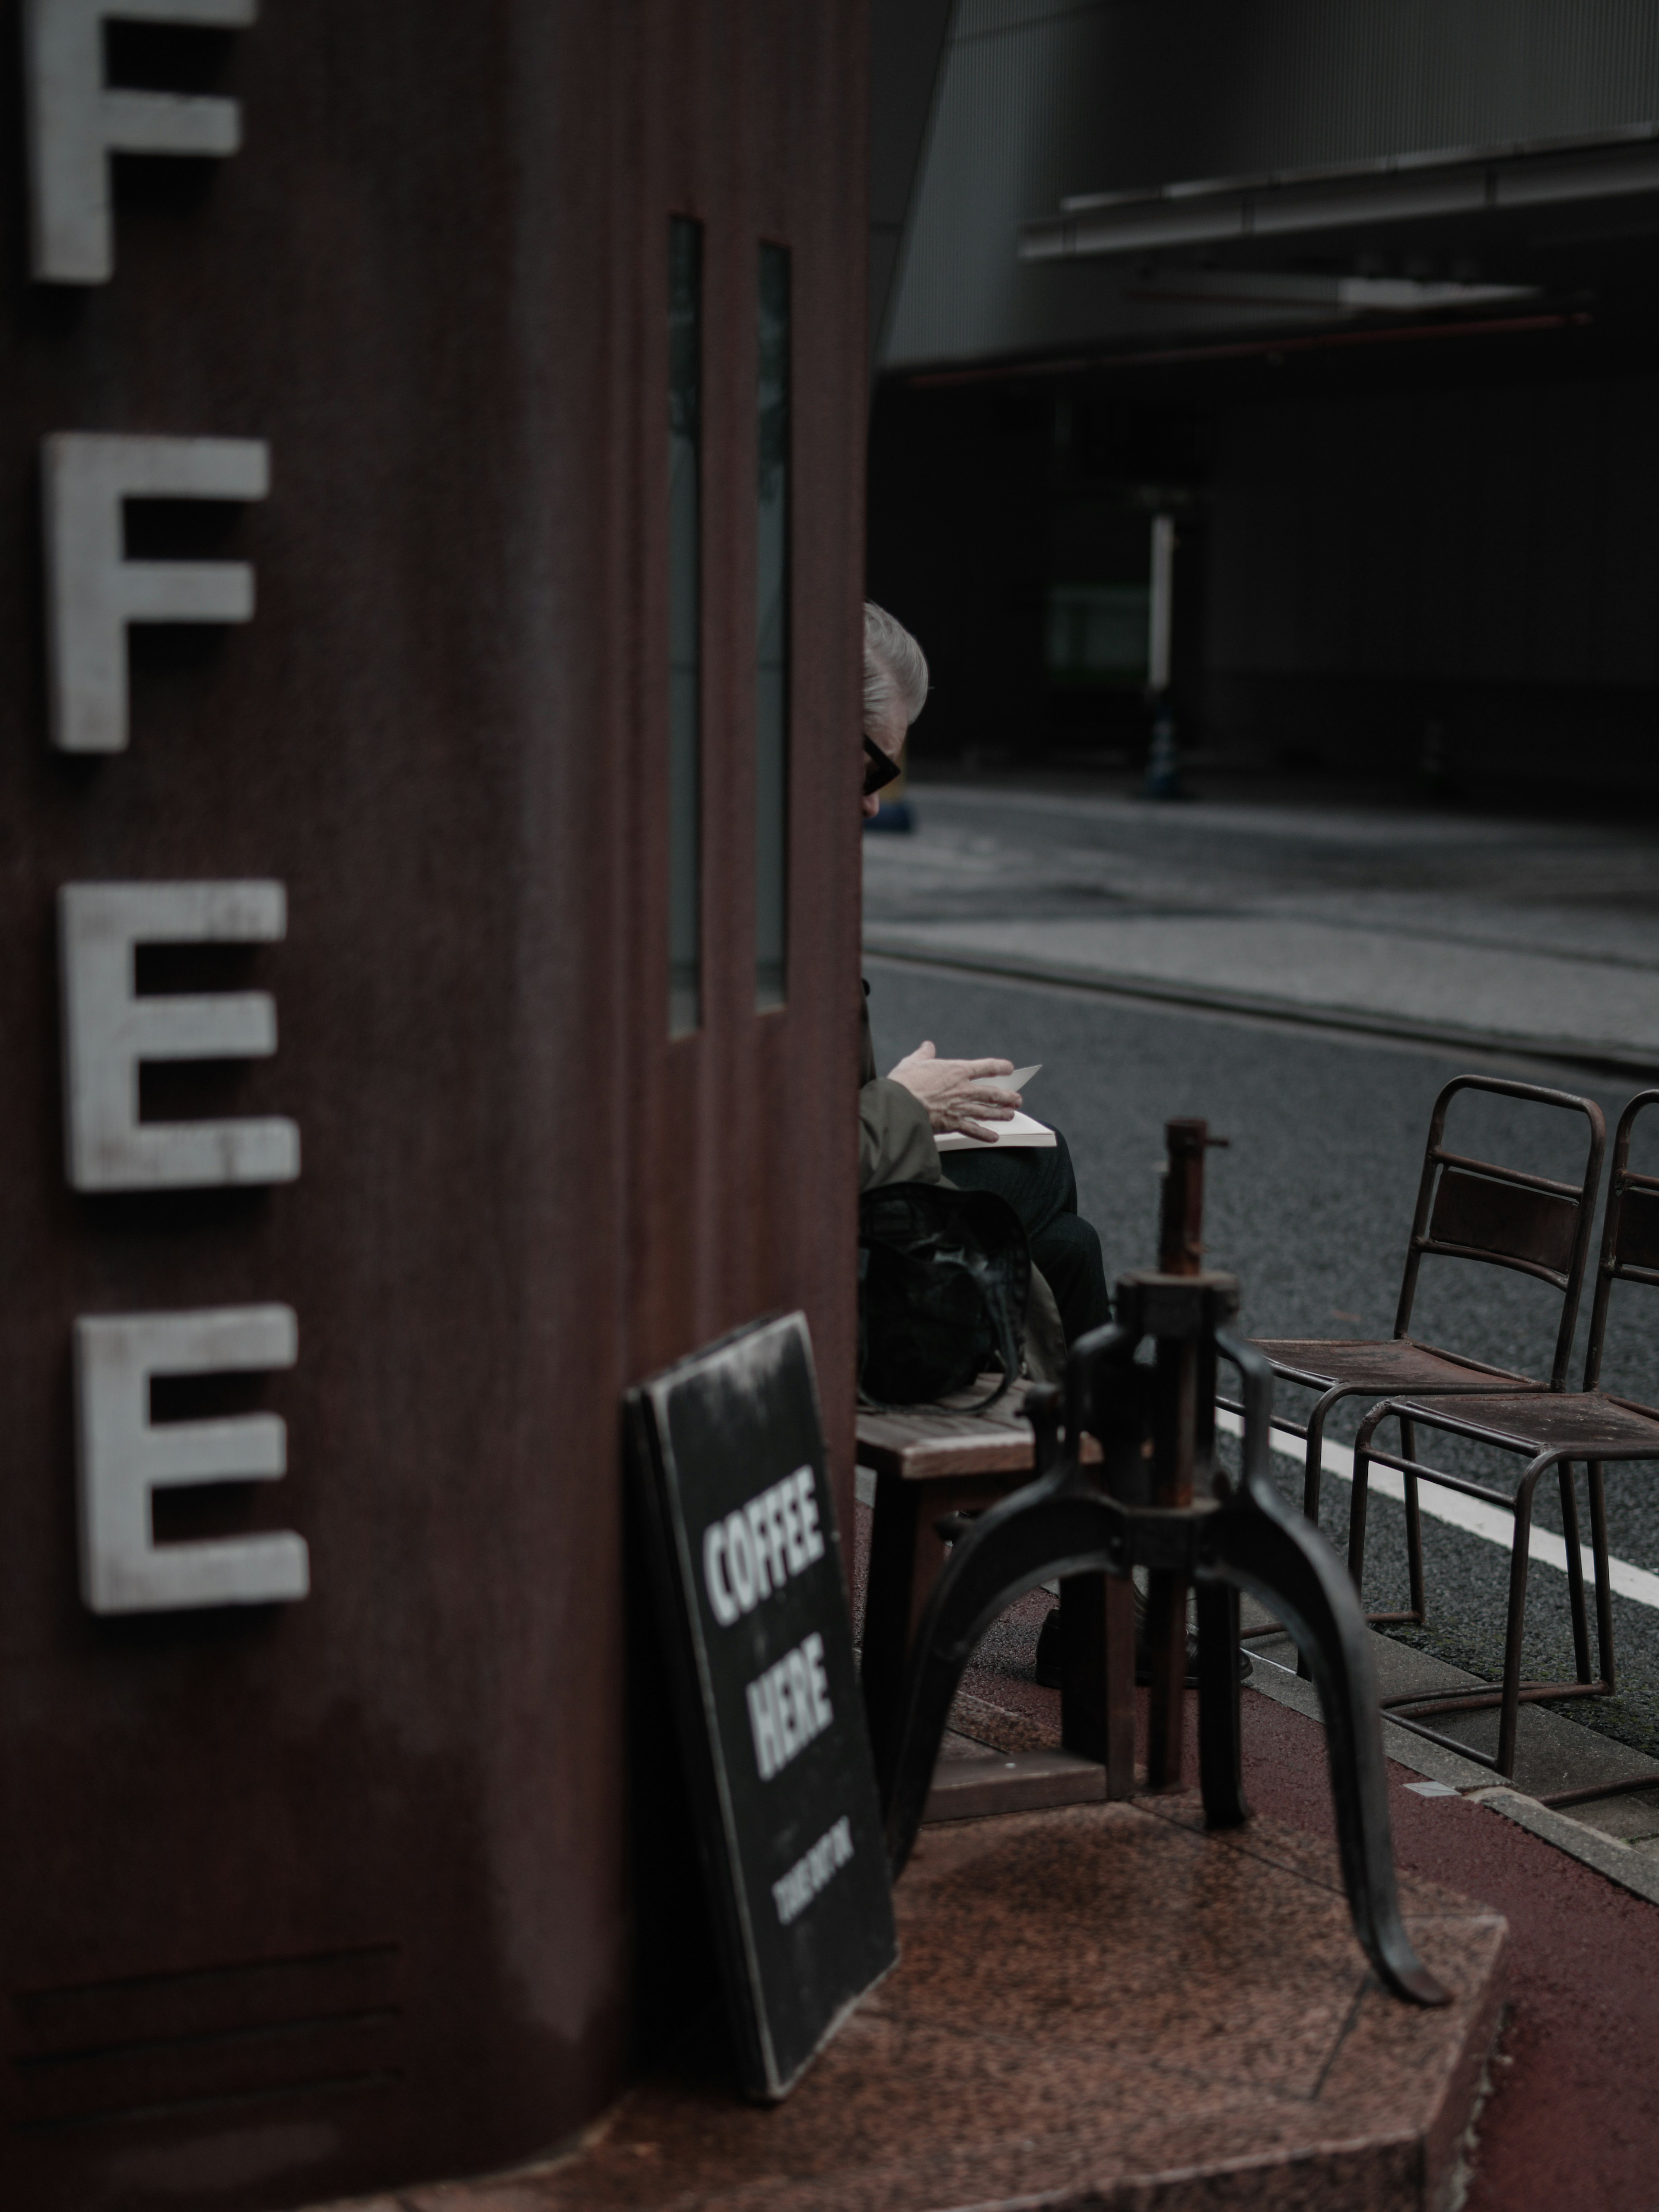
{"points": [[1037, 1182]]}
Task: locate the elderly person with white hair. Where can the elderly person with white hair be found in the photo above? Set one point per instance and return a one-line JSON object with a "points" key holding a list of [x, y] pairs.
{"points": [[900, 1114]]}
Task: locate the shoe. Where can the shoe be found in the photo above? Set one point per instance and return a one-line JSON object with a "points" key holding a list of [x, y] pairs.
{"points": [[1048, 1654]]}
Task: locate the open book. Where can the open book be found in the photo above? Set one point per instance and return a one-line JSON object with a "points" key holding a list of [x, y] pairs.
{"points": [[1020, 1130]]}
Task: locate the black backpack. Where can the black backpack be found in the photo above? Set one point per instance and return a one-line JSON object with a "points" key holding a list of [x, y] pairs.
{"points": [[944, 1278]]}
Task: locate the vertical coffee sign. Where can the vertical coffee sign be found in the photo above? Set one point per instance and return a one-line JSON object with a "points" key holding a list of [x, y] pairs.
{"points": [[94, 592], [730, 1449]]}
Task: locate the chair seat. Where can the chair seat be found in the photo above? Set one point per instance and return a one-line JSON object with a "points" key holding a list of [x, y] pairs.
{"points": [[1387, 1365], [1589, 1423]]}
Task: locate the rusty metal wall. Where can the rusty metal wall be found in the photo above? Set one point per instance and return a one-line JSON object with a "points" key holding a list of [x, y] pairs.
{"points": [[307, 1899]]}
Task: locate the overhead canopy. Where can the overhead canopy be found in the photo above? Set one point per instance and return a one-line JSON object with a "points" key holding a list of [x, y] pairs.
{"points": [[1456, 181]]}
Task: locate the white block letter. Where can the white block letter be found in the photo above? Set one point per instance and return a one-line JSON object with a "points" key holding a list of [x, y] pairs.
{"points": [[123, 1457], [93, 590], [109, 1031], [76, 123]]}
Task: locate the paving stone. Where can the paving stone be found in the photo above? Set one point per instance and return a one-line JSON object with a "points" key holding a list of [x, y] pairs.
{"points": [[1101, 2004]]}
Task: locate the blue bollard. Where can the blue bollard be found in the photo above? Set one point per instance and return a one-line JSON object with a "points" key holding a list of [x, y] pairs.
{"points": [[1164, 762]]}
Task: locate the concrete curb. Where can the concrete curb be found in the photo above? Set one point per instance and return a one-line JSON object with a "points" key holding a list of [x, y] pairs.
{"points": [[1402, 1746], [1632, 1869]]}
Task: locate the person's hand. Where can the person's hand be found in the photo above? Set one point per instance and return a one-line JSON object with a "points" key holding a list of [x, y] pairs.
{"points": [[946, 1089]]}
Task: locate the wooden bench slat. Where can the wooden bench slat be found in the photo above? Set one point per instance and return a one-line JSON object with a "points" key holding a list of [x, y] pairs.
{"points": [[926, 1442]]}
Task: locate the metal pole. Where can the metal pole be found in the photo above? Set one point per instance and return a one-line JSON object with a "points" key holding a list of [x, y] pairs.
{"points": [[1180, 1252], [1158, 635], [1163, 764], [1184, 1443]]}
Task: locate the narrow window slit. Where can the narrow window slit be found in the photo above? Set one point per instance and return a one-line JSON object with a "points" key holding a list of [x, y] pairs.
{"points": [[685, 626], [772, 635]]}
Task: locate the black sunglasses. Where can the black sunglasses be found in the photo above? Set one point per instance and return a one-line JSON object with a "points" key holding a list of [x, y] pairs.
{"points": [[883, 769]]}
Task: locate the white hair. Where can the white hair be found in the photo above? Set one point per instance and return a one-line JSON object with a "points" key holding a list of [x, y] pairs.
{"points": [[895, 669]]}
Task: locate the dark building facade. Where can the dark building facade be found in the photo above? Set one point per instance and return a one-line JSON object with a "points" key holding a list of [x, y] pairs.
{"points": [[429, 588], [1361, 297]]}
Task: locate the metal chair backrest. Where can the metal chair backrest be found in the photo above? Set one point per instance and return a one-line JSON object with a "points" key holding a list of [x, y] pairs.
{"points": [[1470, 1209], [1630, 1234]]}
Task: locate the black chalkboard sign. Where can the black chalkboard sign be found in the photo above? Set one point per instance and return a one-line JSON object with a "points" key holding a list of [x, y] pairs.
{"points": [[729, 1448]]}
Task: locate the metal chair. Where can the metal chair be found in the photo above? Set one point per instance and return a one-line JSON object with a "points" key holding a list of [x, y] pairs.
{"points": [[1548, 1429], [1466, 1209]]}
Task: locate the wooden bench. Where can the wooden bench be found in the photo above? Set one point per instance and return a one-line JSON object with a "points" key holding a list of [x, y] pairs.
{"points": [[939, 1460]]}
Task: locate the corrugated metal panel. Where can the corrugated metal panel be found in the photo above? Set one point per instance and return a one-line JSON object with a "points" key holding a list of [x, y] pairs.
{"points": [[1041, 100]]}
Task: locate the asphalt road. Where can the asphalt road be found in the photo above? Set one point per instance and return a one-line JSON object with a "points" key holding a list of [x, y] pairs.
{"points": [[1309, 1206], [1456, 929]]}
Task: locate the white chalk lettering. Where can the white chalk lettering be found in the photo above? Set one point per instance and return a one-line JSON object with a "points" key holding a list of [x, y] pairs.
{"points": [[789, 1705], [763, 1726], [721, 1594], [740, 1558], [760, 1543], [807, 1502], [793, 1892], [789, 1513], [755, 1550]]}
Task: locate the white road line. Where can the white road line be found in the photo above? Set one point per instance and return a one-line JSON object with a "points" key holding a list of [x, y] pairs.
{"points": [[1469, 1514]]}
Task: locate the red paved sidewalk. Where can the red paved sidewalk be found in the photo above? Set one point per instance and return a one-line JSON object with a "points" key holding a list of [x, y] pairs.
{"points": [[1574, 2117]]}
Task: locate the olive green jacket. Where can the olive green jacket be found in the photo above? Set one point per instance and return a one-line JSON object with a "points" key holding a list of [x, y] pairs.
{"points": [[895, 1137], [896, 1145]]}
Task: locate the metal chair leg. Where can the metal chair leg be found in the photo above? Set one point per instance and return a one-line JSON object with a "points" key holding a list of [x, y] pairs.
{"points": [[1576, 1606], [1098, 1692], [1313, 1465], [1358, 1518], [1360, 1501], [1313, 1470], [1220, 1734], [1598, 1510], [1514, 1627], [1413, 1525]]}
